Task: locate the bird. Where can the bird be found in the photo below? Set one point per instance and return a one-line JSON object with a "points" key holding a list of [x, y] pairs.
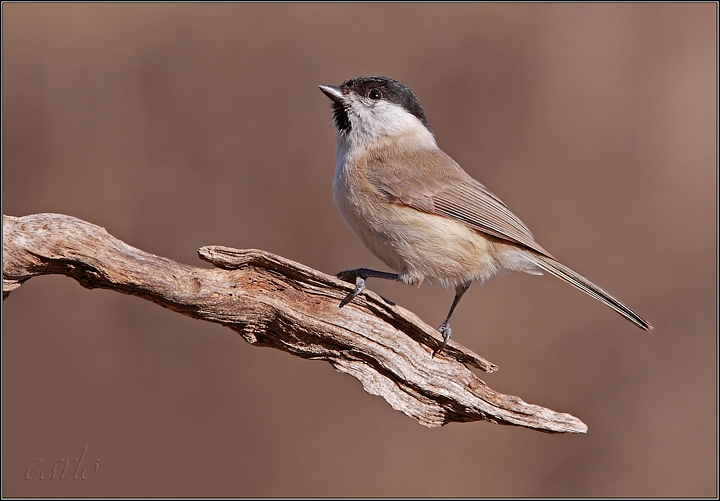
{"points": [[418, 211]]}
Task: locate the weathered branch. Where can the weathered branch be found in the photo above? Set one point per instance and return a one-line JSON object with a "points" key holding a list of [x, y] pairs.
{"points": [[272, 301]]}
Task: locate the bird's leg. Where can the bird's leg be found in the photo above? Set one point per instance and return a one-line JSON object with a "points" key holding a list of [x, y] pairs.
{"points": [[445, 329], [358, 276]]}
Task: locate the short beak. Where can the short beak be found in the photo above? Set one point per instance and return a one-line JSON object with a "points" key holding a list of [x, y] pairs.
{"points": [[333, 92]]}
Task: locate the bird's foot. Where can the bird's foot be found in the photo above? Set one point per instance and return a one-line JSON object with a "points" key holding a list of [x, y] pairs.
{"points": [[359, 287], [446, 332], [359, 276]]}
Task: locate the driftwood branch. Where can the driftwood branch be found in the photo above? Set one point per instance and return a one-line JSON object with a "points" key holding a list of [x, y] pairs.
{"points": [[272, 301]]}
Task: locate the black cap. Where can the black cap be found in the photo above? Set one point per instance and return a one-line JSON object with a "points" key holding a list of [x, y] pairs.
{"points": [[392, 91]]}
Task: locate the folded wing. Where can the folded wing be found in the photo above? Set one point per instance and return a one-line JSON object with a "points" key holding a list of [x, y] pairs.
{"points": [[432, 182]]}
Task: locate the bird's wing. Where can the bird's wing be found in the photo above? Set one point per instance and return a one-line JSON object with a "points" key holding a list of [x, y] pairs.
{"points": [[448, 192]]}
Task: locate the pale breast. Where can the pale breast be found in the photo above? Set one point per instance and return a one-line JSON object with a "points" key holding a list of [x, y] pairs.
{"points": [[417, 245]]}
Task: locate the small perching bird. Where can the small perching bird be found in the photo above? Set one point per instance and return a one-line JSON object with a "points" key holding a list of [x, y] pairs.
{"points": [[417, 210]]}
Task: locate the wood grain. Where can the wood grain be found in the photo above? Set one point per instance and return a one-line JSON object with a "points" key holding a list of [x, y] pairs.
{"points": [[274, 302]]}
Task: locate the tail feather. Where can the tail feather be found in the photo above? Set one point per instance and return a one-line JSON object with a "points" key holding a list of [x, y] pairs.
{"points": [[563, 272]]}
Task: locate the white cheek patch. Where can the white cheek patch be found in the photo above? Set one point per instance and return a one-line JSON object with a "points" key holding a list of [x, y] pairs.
{"points": [[393, 119], [379, 119]]}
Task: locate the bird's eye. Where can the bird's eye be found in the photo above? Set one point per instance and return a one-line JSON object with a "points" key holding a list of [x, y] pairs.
{"points": [[375, 94]]}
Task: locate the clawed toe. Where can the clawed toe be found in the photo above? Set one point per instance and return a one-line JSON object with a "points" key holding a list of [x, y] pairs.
{"points": [[359, 276], [359, 287], [446, 332]]}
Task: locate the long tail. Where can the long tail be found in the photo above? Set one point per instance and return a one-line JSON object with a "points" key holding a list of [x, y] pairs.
{"points": [[561, 271]]}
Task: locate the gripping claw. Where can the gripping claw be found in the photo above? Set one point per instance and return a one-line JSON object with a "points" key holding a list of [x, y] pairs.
{"points": [[359, 287]]}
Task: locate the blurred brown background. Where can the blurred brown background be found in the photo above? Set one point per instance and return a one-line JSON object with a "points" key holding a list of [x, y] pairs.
{"points": [[177, 126]]}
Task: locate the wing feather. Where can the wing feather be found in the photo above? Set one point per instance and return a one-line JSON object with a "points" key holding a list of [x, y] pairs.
{"points": [[449, 192]]}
